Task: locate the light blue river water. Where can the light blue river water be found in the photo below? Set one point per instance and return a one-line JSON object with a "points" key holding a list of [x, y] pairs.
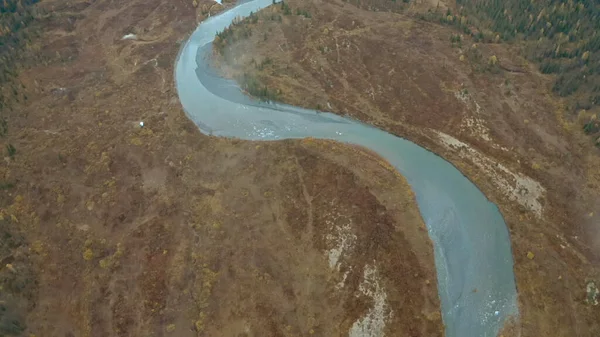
{"points": [[471, 241]]}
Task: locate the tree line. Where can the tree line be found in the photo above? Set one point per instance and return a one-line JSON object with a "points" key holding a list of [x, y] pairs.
{"points": [[562, 37]]}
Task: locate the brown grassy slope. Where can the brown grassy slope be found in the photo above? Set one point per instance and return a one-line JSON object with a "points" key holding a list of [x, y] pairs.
{"points": [[405, 76], [163, 231]]}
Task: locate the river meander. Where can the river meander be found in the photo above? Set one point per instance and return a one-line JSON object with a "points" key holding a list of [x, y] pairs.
{"points": [[471, 241]]}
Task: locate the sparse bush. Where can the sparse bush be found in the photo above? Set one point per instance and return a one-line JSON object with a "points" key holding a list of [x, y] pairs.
{"points": [[6, 186], [585, 56], [254, 88], [474, 56], [3, 126], [88, 254], [303, 12], [253, 18], [264, 63], [11, 150], [11, 321], [493, 64], [456, 40], [285, 8], [591, 127]]}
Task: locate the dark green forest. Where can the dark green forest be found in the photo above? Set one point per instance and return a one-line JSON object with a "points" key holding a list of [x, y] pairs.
{"points": [[562, 37]]}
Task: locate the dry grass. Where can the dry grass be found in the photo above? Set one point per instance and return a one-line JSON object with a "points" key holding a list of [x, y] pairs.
{"points": [[406, 76], [161, 230]]}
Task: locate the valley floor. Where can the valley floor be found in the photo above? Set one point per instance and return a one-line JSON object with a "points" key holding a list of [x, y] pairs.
{"points": [[497, 122], [116, 230]]}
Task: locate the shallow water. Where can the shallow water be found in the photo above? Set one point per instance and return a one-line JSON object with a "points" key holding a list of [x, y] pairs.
{"points": [[471, 241]]}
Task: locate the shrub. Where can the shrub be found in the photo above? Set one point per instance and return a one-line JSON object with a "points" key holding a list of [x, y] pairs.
{"points": [[11, 150], [11, 321]]}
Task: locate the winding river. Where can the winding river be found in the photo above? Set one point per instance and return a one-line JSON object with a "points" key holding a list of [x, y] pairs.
{"points": [[471, 241]]}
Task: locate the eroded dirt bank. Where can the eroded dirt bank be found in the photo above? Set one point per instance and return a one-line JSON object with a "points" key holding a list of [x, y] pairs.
{"points": [[500, 127], [129, 231]]}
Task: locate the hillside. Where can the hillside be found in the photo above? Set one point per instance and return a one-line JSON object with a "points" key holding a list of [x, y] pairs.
{"points": [[111, 229], [483, 105], [560, 38]]}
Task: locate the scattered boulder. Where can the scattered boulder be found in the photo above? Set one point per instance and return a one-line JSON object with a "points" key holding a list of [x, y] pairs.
{"points": [[129, 37]]}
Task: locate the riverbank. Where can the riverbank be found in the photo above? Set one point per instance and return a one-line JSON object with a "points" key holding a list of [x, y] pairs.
{"points": [[405, 76], [163, 231]]}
